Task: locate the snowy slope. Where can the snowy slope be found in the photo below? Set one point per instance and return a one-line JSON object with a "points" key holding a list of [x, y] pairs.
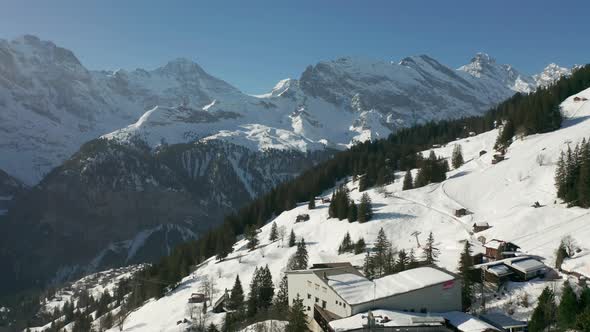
{"points": [[50, 103], [499, 194]]}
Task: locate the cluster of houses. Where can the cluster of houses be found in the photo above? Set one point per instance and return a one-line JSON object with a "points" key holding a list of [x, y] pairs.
{"points": [[338, 298]]}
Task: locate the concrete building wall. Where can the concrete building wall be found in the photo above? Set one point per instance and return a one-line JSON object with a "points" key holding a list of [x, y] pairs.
{"points": [[309, 287], [437, 298]]}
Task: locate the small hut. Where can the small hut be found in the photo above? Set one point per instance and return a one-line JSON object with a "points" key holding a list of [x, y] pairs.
{"points": [[480, 226], [461, 212]]}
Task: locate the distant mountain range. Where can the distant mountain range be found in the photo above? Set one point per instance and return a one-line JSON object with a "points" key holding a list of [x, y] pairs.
{"points": [[116, 167], [50, 104]]}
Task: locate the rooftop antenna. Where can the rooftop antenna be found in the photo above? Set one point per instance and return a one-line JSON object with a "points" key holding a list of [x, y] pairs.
{"points": [[415, 234]]}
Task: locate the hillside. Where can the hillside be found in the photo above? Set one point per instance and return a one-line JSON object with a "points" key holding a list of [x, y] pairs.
{"points": [[500, 194]]}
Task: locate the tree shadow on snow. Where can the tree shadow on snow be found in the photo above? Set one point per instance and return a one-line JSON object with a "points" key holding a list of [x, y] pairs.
{"points": [[458, 175]]}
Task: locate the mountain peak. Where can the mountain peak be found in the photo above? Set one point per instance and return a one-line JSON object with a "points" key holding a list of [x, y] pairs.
{"points": [[551, 74], [181, 65], [483, 58]]}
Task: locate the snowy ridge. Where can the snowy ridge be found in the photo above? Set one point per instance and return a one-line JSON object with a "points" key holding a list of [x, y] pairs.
{"points": [[510, 188], [50, 104]]}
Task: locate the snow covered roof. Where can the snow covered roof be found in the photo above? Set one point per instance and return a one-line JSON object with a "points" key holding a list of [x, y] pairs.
{"points": [[499, 270], [356, 289], [527, 264], [494, 244], [502, 320], [387, 318], [467, 323], [481, 224]]}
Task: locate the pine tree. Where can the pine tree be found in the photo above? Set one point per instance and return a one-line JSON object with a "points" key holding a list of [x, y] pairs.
{"points": [[457, 156], [311, 204], [465, 264], [583, 321], [252, 304], [274, 232], [282, 299], [365, 209], [413, 262], [363, 183], [382, 247], [430, 252], [585, 298], [583, 187], [403, 261], [352, 211], [568, 308], [212, 328], [408, 181], [300, 259], [266, 289], [252, 237], [346, 245], [236, 298], [544, 313], [505, 136], [360, 246], [292, 239], [369, 266], [297, 317]]}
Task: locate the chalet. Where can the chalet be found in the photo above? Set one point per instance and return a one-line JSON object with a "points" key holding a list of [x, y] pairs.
{"points": [[197, 298], [302, 217], [461, 212], [504, 323], [522, 268], [497, 249], [482, 152], [338, 292], [480, 226], [527, 268], [497, 158]]}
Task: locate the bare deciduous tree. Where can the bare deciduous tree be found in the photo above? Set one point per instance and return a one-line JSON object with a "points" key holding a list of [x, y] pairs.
{"points": [[282, 233]]}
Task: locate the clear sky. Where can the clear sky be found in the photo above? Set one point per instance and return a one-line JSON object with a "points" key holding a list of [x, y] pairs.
{"points": [[252, 44]]}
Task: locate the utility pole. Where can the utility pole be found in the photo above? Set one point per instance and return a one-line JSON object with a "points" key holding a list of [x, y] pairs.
{"points": [[483, 295]]}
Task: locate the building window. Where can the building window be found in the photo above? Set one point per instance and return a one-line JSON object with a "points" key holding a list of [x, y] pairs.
{"points": [[324, 304], [337, 302], [317, 287], [308, 296], [324, 289], [344, 305], [317, 300], [308, 308]]}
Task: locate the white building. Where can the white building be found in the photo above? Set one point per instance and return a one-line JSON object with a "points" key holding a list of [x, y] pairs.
{"points": [[335, 291]]}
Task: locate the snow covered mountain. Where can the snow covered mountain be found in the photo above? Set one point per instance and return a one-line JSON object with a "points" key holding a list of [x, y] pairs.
{"points": [[550, 74], [499, 194], [50, 104]]}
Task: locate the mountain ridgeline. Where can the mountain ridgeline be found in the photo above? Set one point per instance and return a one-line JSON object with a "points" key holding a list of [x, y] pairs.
{"points": [[366, 160]]}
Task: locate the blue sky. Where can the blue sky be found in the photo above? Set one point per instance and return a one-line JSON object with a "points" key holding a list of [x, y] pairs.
{"points": [[253, 44]]}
